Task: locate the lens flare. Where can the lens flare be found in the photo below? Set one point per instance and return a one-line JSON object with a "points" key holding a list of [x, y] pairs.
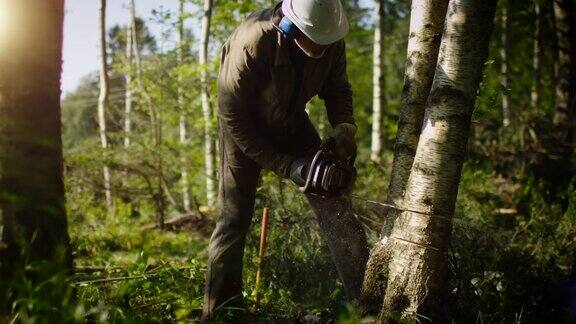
{"points": [[4, 22], [10, 16]]}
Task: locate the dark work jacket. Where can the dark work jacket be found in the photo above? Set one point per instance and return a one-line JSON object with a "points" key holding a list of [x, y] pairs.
{"points": [[260, 106]]}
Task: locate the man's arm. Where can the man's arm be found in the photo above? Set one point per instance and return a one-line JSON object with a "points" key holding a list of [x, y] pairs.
{"points": [[337, 92], [238, 82]]}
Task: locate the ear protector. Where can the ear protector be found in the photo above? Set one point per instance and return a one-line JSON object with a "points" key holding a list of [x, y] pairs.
{"points": [[288, 28]]}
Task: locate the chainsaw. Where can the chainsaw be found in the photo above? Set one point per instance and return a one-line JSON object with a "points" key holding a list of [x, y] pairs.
{"points": [[326, 175]]}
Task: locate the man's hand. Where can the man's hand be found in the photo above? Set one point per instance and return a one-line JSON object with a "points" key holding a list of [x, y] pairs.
{"points": [[345, 143]]}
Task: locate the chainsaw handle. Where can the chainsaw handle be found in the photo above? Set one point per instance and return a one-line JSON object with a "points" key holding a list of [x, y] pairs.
{"points": [[311, 168]]}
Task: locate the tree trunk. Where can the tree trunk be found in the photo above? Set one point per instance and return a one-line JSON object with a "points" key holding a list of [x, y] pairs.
{"points": [[128, 98], [181, 107], [378, 82], [209, 154], [417, 272], [103, 101], [155, 122], [536, 57], [505, 65], [426, 23], [565, 91], [34, 242]]}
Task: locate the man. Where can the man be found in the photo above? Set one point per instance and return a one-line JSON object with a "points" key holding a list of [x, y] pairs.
{"points": [[271, 66]]}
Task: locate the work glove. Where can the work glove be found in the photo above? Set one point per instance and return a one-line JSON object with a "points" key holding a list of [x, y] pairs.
{"points": [[344, 141], [299, 171]]}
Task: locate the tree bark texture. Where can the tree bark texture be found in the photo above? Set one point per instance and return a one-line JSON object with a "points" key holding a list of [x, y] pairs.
{"points": [[417, 271], [378, 82], [565, 92], [104, 100], [209, 153], [181, 107], [536, 56], [31, 167], [505, 64], [426, 24]]}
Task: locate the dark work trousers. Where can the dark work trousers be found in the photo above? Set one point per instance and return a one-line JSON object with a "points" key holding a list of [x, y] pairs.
{"points": [[239, 177]]}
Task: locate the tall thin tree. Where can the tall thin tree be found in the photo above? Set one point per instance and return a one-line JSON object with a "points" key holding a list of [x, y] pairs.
{"points": [[34, 243], [536, 56], [154, 116], [128, 76], [378, 81], [180, 52], [417, 271], [209, 154], [104, 101], [505, 64]]}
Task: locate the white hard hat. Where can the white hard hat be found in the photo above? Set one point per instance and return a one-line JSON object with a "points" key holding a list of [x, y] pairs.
{"points": [[323, 21]]}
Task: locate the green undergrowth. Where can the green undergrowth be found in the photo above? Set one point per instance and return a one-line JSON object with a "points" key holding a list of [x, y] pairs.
{"points": [[127, 272], [511, 258]]}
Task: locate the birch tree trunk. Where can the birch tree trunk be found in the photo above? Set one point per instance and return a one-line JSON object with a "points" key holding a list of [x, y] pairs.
{"points": [[505, 65], [426, 23], [417, 272], [378, 82], [128, 96], [103, 100], [34, 242], [536, 57], [565, 91], [209, 154], [181, 107]]}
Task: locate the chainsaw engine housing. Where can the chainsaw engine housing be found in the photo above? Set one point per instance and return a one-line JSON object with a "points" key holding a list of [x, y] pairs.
{"points": [[329, 175]]}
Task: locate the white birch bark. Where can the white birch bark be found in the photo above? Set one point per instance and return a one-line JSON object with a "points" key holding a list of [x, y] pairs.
{"points": [[209, 154], [181, 107], [103, 100], [128, 93], [505, 65], [378, 83], [536, 57], [426, 23], [419, 238]]}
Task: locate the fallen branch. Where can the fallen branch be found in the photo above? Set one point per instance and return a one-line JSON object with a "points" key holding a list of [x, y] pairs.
{"points": [[106, 280]]}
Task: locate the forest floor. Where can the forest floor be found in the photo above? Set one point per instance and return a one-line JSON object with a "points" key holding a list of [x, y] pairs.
{"points": [[127, 270]]}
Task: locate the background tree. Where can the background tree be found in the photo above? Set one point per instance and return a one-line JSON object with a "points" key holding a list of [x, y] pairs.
{"points": [[103, 102], [180, 53], [537, 56], [505, 63], [206, 106], [34, 246], [379, 82], [418, 266], [128, 98]]}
